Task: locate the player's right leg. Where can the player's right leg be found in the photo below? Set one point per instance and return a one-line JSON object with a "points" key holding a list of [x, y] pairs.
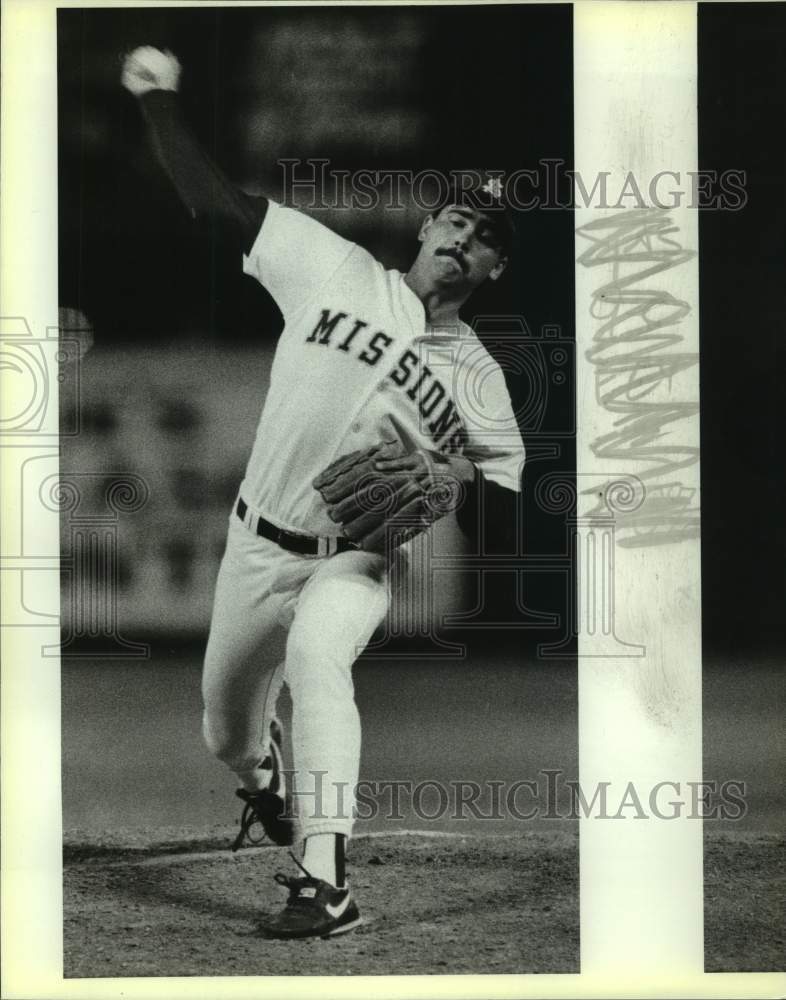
{"points": [[256, 591], [336, 614]]}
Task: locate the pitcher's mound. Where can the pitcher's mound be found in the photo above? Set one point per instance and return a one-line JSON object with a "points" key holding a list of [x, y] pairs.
{"points": [[180, 905]]}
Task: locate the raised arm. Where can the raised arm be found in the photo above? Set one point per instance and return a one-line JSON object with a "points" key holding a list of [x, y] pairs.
{"points": [[153, 77], [293, 256]]}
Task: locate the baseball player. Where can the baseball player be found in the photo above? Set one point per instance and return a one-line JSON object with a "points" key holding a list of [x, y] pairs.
{"points": [[384, 412]]}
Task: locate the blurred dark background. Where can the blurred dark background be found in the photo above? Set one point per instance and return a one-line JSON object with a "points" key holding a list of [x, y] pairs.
{"points": [[742, 109], [742, 272]]}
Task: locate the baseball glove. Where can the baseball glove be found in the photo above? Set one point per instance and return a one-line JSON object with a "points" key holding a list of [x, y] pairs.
{"points": [[384, 496]]}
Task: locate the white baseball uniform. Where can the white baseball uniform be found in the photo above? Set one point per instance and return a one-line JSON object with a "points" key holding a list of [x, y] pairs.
{"points": [[356, 351]]}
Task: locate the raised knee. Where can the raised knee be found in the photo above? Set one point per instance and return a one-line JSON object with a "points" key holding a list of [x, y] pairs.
{"points": [[228, 746], [217, 742]]}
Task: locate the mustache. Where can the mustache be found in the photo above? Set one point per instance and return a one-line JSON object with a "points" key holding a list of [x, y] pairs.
{"points": [[455, 254]]}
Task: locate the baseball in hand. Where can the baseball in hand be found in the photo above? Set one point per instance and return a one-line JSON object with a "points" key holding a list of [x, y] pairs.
{"points": [[147, 68]]}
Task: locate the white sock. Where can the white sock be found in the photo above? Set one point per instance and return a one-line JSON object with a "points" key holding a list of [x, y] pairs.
{"points": [[323, 857]]}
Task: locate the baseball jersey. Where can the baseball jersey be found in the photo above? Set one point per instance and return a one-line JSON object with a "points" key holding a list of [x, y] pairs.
{"points": [[357, 362]]}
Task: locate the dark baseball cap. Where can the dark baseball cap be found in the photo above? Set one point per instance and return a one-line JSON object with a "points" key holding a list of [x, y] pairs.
{"points": [[483, 192]]}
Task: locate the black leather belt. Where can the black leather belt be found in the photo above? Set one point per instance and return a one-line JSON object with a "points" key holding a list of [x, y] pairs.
{"points": [[306, 545]]}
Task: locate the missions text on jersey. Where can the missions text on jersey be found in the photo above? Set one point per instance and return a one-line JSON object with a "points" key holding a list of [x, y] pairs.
{"points": [[427, 392], [356, 351]]}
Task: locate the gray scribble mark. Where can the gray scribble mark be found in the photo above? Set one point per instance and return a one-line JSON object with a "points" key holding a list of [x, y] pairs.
{"points": [[637, 326]]}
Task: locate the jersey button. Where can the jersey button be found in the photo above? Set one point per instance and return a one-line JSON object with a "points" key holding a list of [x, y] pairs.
{"points": [[357, 427], [383, 385]]}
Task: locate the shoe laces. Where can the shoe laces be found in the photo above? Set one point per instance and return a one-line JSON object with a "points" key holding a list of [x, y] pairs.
{"points": [[248, 820], [249, 817], [296, 884], [305, 871]]}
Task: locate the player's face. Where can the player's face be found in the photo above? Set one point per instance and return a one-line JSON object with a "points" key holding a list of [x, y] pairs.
{"points": [[461, 247]]}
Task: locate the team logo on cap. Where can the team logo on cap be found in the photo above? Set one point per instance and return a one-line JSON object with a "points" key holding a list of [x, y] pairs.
{"points": [[493, 186]]}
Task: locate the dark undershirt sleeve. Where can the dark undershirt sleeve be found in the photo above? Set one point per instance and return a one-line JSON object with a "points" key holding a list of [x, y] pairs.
{"points": [[493, 508], [202, 186]]}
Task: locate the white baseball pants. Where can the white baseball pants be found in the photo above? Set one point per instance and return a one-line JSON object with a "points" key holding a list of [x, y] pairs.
{"points": [[279, 616]]}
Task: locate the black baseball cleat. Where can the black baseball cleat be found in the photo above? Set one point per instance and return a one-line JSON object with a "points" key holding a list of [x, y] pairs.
{"points": [[271, 807], [314, 909]]}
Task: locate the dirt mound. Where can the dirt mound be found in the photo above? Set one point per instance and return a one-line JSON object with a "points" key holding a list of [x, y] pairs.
{"points": [[182, 905], [744, 902]]}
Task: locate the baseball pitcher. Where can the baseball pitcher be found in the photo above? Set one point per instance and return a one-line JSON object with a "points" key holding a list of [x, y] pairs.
{"points": [[383, 415]]}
